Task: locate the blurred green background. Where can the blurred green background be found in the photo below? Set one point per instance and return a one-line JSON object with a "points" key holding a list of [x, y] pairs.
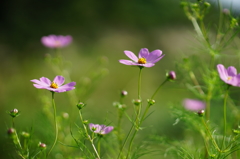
{"points": [[100, 30]]}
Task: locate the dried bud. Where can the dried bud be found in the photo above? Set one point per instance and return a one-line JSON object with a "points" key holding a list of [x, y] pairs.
{"points": [[80, 105], [137, 102], [151, 101], [42, 146], [14, 113], [201, 113], [124, 93], [171, 75]]}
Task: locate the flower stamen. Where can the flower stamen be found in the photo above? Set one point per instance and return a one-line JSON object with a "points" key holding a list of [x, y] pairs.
{"points": [[142, 61], [54, 85], [229, 78]]}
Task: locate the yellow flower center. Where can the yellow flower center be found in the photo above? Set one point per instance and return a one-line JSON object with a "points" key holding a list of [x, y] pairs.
{"points": [[54, 85], [229, 78], [142, 61], [57, 43]]}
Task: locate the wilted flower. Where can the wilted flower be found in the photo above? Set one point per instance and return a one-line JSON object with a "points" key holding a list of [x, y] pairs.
{"points": [[100, 129], [144, 59], [55, 86], [229, 75], [194, 105], [56, 41]]}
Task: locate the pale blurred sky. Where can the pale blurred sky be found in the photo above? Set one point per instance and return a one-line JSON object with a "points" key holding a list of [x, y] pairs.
{"points": [[233, 5]]}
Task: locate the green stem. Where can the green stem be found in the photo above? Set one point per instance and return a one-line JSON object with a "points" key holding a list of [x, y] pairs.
{"points": [[99, 146], [210, 135], [225, 115], [88, 136], [56, 127]]}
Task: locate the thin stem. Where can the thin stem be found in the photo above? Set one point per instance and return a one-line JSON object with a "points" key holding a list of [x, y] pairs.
{"points": [[225, 115], [137, 121], [55, 121], [88, 136], [99, 146], [210, 135]]}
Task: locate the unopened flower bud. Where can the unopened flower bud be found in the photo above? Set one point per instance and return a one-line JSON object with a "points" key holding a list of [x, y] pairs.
{"points": [[171, 75], [151, 101], [14, 113], [11, 131], [207, 5], [226, 11], [85, 122], [137, 102], [201, 113], [65, 115], [42, 146], [80, 105], [25, 134], [124, 93]]}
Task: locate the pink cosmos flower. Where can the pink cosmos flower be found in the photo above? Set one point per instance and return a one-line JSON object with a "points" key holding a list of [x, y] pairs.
{"points": [[144, 59], [55, 86], [229, 75], [100, 129], [194, 105], [56, 41]]}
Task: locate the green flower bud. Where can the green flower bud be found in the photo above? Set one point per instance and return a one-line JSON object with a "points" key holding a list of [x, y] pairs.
{"points": [[25, 134], [137, 102], [201, 113], [151, 101], [14, 113], [11, 131], [80, 105], [124, 93], [42, 146]]}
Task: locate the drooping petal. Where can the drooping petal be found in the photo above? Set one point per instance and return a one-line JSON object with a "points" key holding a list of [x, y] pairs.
{"points": [[222, 72], [144, 53], [131, 55], [154, 55], [45, 80], [59, 80], [127, 62], [232, 71]]}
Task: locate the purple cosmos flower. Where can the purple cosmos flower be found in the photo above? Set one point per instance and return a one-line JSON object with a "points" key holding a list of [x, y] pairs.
{"points": [[144, 59], [194, 105], [100, 129], [55, 86], [54, 41], [229, 75]]}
